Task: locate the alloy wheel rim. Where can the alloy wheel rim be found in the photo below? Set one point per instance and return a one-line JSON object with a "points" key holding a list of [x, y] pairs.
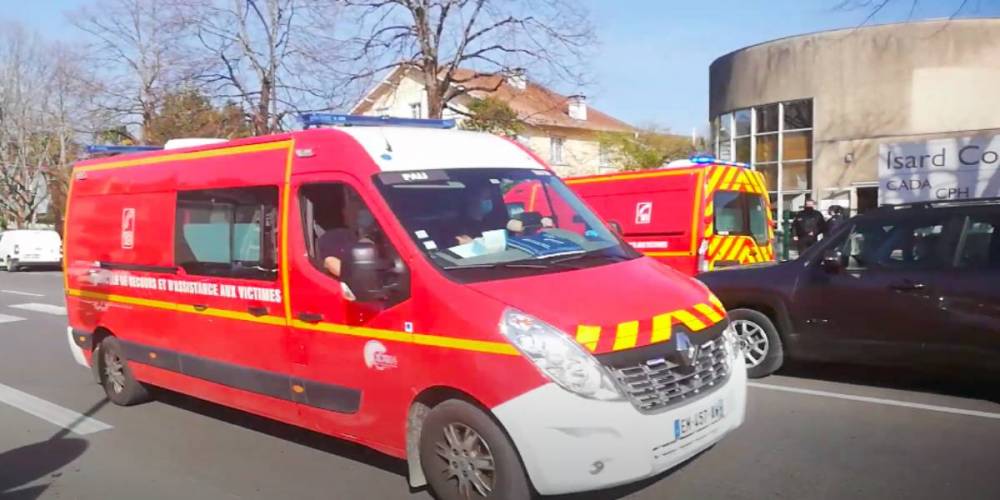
{"points": [[114, 371], [468, 460], [754, 341]]}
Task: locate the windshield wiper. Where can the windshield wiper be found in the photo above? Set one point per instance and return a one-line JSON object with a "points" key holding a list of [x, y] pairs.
{"points": [[579, 256], [509, 265]]}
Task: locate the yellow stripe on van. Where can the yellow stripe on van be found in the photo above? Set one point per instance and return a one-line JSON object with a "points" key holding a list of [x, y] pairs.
{"points": [[689, 320], [713, 181], [728, 179], [715, 300], [626, 336], [708, 312], [356, 331], [588, 336], [196, 155], [661, 328]]}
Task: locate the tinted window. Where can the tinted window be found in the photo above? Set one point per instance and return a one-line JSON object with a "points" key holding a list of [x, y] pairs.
{"points": [[227, 232], [923, 243], [980, 243], [739, 213]]}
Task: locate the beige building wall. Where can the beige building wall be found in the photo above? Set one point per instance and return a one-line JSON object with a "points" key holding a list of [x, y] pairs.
{"points": [[872, 85], [581, 148]]}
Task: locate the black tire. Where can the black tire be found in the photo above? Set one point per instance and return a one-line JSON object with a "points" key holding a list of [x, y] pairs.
{"points": [[508, 479], [123, 389], [758, 333]]}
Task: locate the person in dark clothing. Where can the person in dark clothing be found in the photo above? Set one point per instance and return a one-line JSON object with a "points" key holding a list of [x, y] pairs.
{"points": [[472, 222], [836, 218], [336, 242], [807, 226]]}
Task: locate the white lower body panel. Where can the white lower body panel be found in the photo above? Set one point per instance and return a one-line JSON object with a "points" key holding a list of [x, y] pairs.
{"points": [[569, 443]]}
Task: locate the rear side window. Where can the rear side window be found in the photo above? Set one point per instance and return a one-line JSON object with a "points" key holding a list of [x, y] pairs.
{"points": [[980, 243], [227, 232]]}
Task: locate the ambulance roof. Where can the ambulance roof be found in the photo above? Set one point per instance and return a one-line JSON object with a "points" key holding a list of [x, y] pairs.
{"points": [[413, 148]]}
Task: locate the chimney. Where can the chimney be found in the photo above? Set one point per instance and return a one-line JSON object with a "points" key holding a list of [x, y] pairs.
{"points": [[578, 107], [517, 79]]}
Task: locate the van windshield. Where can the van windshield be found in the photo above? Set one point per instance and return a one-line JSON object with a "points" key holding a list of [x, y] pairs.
{"points": [[480, 224]]}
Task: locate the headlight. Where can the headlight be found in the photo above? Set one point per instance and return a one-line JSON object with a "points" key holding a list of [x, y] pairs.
{"points": [[732, 341], [559, 357]]}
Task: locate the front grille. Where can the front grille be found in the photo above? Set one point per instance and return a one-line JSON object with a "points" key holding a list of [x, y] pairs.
{"points": [[661, 382]]}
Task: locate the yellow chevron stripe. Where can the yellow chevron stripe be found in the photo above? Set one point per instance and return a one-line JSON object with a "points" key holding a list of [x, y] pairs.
{"points": [[758, 181], [713, 246], [727, 181], [626, 336], [727, 242], [689, 320], [734, 251], [588, 336], [715, 300], [716, 176], [661, 328], [708, 312]]}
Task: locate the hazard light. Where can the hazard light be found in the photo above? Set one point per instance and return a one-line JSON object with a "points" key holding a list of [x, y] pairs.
{"points": [[327, 119]]}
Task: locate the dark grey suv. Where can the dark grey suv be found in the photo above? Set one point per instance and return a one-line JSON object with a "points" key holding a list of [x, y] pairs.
{"points": [[917, 285]]}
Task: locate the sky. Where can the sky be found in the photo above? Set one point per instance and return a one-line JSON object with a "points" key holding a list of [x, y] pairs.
{"points": [[651, 67]]}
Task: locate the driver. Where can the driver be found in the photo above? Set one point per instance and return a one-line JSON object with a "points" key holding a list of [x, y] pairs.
{"points": [[473, 222], [337, 242]]}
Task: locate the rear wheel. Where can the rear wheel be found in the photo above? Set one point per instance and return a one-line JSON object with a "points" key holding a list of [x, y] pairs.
{"points": [[762, 347], [120, 385], [465, 455]]}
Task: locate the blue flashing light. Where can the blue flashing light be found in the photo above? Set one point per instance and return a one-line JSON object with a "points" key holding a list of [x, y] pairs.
{"points": [[321, 119], [112, 149], [702, 158]]}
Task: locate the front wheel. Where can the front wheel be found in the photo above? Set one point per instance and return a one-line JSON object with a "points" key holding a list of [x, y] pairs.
{"points": [[465, 455], [762, 347]]}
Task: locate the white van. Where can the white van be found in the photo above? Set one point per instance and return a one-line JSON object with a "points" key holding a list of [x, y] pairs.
{"points": [[23, 248]]}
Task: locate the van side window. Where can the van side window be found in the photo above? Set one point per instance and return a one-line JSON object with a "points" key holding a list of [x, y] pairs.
{"points": [[981, 243], [228, 232]]}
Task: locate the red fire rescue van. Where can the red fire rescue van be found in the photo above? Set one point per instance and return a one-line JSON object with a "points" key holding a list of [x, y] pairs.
{"points": [[695, 215], [371, 283]]}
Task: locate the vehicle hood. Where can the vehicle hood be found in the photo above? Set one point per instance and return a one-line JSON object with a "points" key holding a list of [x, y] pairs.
{"points": [[613, 307]]}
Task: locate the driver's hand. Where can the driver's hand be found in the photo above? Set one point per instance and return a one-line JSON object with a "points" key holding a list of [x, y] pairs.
{"points": [[464, 239], [547, 222]]}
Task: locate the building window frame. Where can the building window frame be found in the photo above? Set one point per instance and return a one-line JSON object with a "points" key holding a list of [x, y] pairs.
{"points": [[416, 110], [557, 145]]}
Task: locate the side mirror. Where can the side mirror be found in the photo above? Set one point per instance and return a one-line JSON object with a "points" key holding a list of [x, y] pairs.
{"points": [[832, 263], [360, 272], [615, 227]]}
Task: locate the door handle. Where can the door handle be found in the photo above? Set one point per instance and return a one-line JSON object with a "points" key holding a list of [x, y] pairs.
{"points": [[257, 311], [908, 286], [199, 307], [310, 317]]}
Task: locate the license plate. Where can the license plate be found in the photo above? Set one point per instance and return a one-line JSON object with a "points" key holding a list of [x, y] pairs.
{"points": [[686, 426]]}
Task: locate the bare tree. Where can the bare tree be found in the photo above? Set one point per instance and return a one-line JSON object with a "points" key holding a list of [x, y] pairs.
{"points": [[135, 43], [274, 57], [491, 37], [874, 7]]}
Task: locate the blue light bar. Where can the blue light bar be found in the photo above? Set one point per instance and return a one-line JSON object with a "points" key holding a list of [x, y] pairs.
{"points": [[93, 149], [320, 119], [702, 158]]}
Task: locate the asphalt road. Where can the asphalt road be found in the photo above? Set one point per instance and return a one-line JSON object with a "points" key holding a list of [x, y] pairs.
{"points": [[813, 432]]}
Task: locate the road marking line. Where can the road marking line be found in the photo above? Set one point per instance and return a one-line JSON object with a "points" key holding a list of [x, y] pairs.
{"points": [[9, 319], [51, 412], [25, 294], [881, 401], [42, 308]]}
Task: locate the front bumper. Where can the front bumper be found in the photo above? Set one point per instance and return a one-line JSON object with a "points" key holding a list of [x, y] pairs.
{"points": [[570, 444]]}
